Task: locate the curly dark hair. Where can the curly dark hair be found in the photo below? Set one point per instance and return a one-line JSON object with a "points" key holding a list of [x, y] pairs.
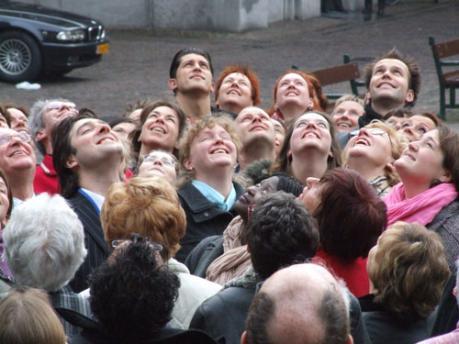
{"points": [[280, 232], [350, 215], [132, 296]]}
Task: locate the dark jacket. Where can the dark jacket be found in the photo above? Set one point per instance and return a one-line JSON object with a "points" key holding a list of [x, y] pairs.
{"points": [[204, 254], [203, 218], [385, 328], [94, 240], [446, 224], [369, 116], [223, 315], [93, 333]]}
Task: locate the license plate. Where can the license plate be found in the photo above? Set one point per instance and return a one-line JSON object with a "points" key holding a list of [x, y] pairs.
{"points": [[102, 49]]}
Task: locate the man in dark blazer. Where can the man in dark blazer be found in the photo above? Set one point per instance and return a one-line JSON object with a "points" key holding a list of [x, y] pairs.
{"points": [[88, 157]]}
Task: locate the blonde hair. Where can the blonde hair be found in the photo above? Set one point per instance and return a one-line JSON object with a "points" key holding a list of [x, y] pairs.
{"points": [[349, 98], [185, 144], [408, 256], [26, 316], [147, 206], [397, 145]]}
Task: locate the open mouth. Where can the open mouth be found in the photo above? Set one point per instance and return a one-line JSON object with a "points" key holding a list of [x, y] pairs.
{"points": [[385, 85], [105, 139], [362, 141], [157, 129], [313, 134], [343, 124], [219, 150], [18, 153], [234, 91]]}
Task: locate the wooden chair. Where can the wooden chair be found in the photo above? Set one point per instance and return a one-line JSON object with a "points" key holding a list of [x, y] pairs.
{"points": [[358, 86], [337, 74], [448, 80]]}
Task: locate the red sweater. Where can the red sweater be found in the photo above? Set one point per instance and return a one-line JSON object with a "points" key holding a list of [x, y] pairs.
{"points": [[354, 273], [45, 177]]}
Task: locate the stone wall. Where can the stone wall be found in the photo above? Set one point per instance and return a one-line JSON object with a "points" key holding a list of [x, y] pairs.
{"points": [[214, 15]]}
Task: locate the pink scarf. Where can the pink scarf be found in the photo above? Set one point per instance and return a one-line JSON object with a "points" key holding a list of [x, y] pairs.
{"points": [[421, 208]]}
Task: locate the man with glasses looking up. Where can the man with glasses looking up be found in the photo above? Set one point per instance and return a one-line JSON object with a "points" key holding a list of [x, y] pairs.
{"points": [[17, 161], [44, 116]]}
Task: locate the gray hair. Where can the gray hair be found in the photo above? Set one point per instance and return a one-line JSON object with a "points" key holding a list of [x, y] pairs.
{"points": [[44, 243], [346, 98], [36, 119]]}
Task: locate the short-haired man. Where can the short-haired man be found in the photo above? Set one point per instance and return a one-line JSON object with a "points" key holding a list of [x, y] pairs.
{"points": [[88, 157], [44, 116], [301, 304], [190, 78], [256, 131], [393, 82]]}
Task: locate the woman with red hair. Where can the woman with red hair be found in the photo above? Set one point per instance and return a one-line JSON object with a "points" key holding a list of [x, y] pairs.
{"points": [[295, 93], [236, 88]]}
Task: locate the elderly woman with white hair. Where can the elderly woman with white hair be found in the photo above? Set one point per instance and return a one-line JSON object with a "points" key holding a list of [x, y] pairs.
{"points": [[44, 246]]}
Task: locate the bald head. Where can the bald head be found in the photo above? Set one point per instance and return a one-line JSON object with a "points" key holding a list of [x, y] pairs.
{"points": [[300, 304]]}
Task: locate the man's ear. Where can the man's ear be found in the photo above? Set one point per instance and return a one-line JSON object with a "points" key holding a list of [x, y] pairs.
{"points": [[244, 337], [409, 98], [187, 164], [71, 162], [212, 87], [172, 84], [40, 135]]}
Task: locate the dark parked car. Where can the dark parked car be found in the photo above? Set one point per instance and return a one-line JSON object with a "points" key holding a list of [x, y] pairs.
{"points": [[35, 40]]}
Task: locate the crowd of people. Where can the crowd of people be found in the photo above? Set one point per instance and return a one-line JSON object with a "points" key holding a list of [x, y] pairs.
{"points": [[205, 218]]}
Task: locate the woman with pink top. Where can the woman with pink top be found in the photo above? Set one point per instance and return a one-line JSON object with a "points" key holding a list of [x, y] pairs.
{"points": [[428, 192]]}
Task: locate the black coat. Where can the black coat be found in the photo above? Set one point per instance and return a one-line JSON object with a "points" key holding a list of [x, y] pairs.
{"points": [[223, 315], [95, 243], [203, 218], [385, 328], [204, 254]]}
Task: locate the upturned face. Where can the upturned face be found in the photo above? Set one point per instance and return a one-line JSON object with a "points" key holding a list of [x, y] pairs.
{"points": [[293, 89], [93, 141], [373, 144], [161, 128], [252, 123], [415, 126], [346, 116], [422, 161], [193, 74], [16, 151], [311, 131], [235, 91], [159, 163], [390, 80], [212, 149]]}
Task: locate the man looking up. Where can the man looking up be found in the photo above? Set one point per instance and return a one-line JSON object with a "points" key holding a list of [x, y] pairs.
{"points": [[88, 157], [393, 82], [256, 131], [44, 116], [190, 78]]}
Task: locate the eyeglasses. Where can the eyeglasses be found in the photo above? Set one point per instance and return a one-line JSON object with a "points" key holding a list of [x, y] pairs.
{"points": [[136, 238], [371, 131], [168, 160], [20, 135], [60, 106]]}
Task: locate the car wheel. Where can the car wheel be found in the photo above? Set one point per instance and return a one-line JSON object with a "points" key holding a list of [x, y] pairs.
{"points": [[20, 57]]}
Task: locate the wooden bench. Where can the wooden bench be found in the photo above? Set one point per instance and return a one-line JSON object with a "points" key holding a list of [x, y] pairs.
{"points": [[358, 86], [448, 80], [337, 74]]}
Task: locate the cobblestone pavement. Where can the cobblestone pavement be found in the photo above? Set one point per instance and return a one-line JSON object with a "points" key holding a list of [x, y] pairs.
{"points": [[137, 65]]}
